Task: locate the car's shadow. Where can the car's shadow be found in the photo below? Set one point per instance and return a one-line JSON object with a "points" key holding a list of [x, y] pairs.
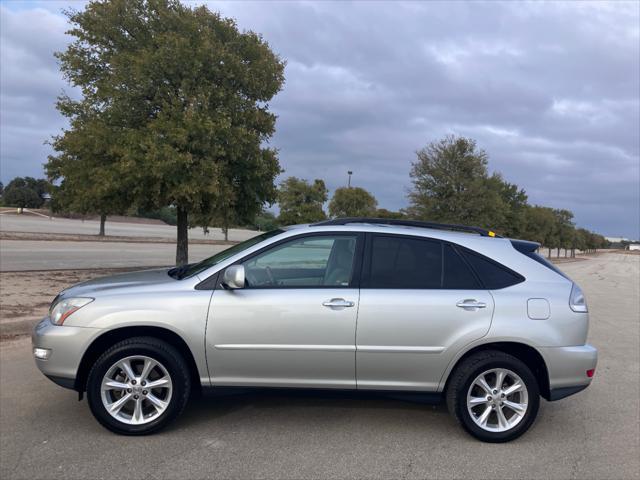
{"points": [[221, 403]]}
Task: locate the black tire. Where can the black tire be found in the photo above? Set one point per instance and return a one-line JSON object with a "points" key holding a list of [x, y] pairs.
{"points": [[156, 349], [468, 370]]}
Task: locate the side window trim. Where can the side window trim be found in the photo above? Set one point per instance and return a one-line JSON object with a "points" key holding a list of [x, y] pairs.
{"points": [[357, 261], [442, 265], [458, 250]]}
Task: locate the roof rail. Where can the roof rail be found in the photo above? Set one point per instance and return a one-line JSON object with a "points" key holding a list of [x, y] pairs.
{"points": [[406, 223]]}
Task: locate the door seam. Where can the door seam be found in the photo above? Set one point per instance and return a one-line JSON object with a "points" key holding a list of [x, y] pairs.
{"points": [[355, 344]]}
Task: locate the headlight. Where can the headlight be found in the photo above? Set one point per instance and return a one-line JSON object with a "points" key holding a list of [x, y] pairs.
{"points": [[577, 302], [60, 310]]}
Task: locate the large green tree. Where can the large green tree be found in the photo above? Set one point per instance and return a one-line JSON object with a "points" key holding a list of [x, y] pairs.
{"points": [[352, 202], [450, 184], [184, 94], [508, 214], [301, 201]]}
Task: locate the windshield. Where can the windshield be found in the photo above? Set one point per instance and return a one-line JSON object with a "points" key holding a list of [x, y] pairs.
{"points": [[195, 268]]}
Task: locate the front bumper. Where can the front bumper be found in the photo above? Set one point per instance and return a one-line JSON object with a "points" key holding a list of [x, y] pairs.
{"points": [[66, 347], [567, 368]]}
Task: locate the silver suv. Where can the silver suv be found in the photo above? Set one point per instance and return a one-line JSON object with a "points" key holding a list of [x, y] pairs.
{"points": [[454, 313]]}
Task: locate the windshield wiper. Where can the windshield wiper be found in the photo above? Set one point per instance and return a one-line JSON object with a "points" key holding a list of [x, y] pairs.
{"points": [[178, 272]]}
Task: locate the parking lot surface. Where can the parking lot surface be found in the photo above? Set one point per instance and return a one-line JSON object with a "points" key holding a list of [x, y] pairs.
{"points": [[46, 433]]}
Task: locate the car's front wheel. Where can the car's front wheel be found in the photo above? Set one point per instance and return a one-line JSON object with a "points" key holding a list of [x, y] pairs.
{"points": [[138, 386], [494, 396]]}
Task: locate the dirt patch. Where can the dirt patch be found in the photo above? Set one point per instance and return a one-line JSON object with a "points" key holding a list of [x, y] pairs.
{"points": [[26, 296], [567, 260]]}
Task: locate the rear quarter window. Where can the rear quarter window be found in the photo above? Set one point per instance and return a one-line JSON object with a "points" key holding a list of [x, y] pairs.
{"points": [[543, 261], [492, 275]]}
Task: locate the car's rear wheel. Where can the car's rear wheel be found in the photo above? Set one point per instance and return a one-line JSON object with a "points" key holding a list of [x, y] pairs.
{"points": [[138, 386], [494, 396]]}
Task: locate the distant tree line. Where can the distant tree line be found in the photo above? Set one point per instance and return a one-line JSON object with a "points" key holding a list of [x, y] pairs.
{"points": [[451, 184], [25, 192]]}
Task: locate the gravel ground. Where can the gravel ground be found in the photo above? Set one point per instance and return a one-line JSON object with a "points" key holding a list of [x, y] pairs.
{"points": [[46, 433]]}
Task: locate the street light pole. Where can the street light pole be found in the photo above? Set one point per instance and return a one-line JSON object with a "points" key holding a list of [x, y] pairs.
{"points": [[349, 183]]}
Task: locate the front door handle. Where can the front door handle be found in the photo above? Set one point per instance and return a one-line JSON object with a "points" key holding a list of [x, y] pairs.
{"points": [[471, 304], [338, 303]]}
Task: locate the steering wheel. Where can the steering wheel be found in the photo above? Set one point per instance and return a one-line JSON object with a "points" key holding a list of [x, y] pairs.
{"points": [[272, 280]]}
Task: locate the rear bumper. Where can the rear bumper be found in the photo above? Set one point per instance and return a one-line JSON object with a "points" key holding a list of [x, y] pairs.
{"points": [[567, 368], [66, 346]]}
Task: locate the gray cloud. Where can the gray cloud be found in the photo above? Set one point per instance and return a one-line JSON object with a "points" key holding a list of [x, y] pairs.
{"points": [[29, 84], [549, 90]]}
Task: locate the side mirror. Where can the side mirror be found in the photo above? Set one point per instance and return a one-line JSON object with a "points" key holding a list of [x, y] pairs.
{"points": [[233, 277]]}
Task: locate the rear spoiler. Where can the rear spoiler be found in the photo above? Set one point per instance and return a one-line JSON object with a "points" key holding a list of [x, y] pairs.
{"points": [[525, 246]]}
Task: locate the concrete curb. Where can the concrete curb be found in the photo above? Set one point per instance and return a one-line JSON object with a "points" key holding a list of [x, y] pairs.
{"points": [[8, 235]]}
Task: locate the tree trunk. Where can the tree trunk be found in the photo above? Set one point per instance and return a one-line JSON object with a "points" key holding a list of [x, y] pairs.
{"points": [[549, 256], [558, 252], [103, 219], [225, 226], [182, 245]]}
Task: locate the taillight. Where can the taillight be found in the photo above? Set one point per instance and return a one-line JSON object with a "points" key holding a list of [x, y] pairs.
{"points": [[591, 373], [577, 302]]}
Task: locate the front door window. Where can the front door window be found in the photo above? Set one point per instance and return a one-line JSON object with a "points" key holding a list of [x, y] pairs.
{"points": [[317, 261]]}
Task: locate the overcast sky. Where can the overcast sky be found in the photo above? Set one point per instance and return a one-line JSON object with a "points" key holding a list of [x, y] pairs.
{"points": [[549, 90]]}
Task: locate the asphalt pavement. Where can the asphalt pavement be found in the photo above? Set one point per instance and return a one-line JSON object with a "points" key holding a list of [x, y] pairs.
{"points": [[46, 433]]}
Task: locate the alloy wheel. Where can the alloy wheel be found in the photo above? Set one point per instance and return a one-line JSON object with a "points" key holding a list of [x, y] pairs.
{"points": [[497, 400], [136, 390]]}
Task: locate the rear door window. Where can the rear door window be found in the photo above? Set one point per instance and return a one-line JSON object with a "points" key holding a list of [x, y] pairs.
{"points": [[457, 274], [404, 262]]}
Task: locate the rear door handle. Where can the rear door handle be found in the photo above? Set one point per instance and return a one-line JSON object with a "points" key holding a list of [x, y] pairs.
{"points": [[338, 303], [471, 304]]}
